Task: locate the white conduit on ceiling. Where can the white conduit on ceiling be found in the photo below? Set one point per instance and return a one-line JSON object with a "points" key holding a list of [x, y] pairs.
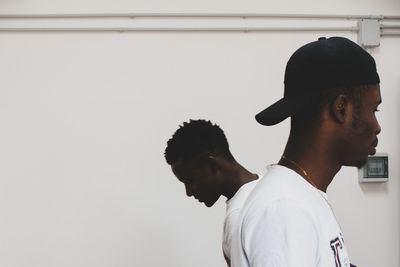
{"points": [[391, 34], [383, 26], [196, 16], [148, 29]]}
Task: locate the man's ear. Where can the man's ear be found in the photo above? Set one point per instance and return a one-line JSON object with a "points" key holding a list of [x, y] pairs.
{"points": [[339, 108], [213, 162]]}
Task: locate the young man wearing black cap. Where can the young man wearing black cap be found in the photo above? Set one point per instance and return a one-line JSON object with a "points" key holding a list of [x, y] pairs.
{"points": [[331, 94], [200, 158]]}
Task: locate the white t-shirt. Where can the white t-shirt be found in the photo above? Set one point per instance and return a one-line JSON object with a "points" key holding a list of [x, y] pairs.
{"points": [[233, 208], [287, 222]]}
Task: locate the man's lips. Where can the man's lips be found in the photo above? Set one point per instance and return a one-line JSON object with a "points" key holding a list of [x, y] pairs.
{"points": [[375, 143], [373, 148]]}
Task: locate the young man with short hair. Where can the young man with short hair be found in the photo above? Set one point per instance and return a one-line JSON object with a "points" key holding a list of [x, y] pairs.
{"points": [[199, 155], [331, 94]]}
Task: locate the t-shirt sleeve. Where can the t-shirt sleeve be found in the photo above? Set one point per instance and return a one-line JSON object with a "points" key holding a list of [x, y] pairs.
{"points": [[230, 226], [282, 234]]}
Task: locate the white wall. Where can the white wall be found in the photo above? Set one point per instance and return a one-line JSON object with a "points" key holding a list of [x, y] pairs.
{"points": [[85, 118]]}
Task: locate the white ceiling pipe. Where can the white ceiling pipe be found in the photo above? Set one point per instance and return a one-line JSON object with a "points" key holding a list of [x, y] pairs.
{"points": [[383, 26], [194, 15], [187, 29], [390, 34]]}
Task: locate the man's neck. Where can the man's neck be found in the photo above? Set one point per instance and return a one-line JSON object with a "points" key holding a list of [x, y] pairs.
{"points": [[236, 177], [313, 160]]}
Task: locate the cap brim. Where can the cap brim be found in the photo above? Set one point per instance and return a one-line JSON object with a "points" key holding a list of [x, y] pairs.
{"points": [[285, 107]]}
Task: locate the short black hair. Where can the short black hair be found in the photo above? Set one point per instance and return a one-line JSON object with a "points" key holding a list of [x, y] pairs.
{"points": [[197, 138], [311, 116]]}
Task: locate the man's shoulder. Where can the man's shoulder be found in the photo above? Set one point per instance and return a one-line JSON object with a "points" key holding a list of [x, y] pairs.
{"points": [[280, 181], [236, 203], [279, 185]]}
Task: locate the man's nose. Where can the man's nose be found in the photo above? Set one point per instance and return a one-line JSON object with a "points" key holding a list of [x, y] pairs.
{"points": [[189, 192]]}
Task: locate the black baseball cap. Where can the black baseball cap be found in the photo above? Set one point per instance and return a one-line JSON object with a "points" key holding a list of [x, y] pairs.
{"points": [[324, 64]]}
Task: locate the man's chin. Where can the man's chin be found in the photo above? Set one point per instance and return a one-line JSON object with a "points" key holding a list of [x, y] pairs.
{"points": [[209, 203], [359, 163], [372, 151]]}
